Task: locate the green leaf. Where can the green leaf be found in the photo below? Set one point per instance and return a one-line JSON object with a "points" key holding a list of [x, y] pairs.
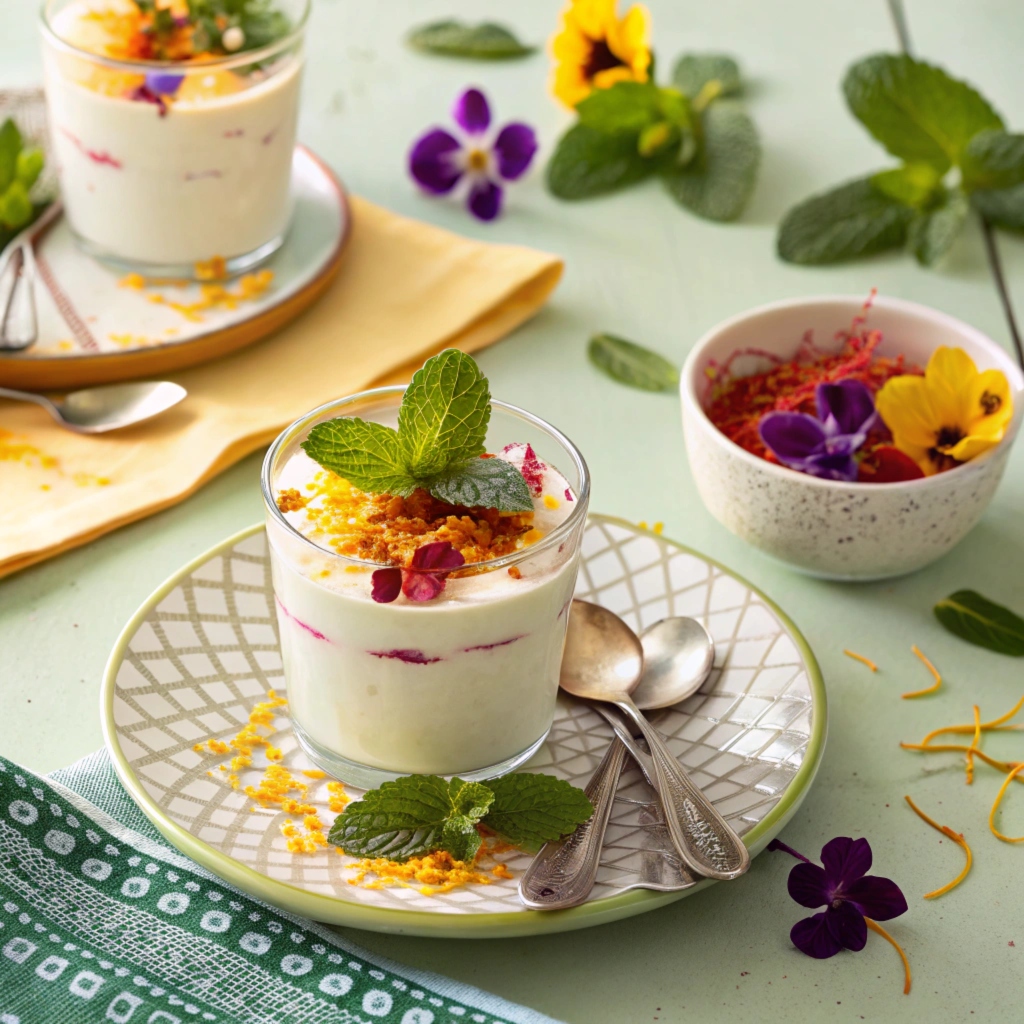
{"points": [[443, 418], [486, 41], [1002, 207], [589, 163], [917, 111], [530, 810], [367, 455], [693, 71], [933, 232], [657, 137], [484, 483], [994, 159], [29, 166], [625, 107], [10, 146], [632, 364], [718, 182], [15, 206], [914, 185], [850, 221], [412, 816], [979, 621]]}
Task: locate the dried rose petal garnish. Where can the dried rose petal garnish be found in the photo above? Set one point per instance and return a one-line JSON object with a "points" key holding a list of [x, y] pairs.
{"points": [[423, 580], [531, 468]]}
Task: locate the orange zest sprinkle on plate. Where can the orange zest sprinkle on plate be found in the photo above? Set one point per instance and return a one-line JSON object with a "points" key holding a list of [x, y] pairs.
{"points": [[879, 930], [860, 657], [931, 668], [433, 873], [957, 838], [1011, 775]]}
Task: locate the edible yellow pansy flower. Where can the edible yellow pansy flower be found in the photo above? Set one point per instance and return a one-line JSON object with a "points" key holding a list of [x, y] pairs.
{"points": [[950, 415], [595, 49]]}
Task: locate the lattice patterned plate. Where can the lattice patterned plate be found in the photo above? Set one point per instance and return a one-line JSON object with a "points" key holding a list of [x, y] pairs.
{"points": [[203, 649]]}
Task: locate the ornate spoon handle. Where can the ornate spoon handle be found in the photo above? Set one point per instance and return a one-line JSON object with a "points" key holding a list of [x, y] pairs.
{"points": [[563, 873]]}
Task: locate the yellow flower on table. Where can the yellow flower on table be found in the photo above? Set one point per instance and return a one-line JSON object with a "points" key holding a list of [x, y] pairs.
{"points": [[950, 415], [595, 49]]}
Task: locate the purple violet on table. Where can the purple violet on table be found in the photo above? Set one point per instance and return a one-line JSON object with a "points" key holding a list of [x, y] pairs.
{"points": [[846, 891], [823, 445], [439, 160]]}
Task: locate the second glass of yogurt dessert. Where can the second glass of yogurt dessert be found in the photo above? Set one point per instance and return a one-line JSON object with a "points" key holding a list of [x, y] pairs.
{"points": [[173, 126], [421, 636]]}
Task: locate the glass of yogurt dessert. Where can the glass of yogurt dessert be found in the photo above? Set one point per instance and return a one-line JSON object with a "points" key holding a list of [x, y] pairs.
{"points": [[173, 132], [447, 669]]}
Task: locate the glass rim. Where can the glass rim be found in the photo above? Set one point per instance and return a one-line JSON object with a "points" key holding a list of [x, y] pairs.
{"points": [[554, 537], [185, 67]]}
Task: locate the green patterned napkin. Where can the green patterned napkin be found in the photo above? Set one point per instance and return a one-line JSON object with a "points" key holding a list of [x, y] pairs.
{"points": [[100, 920]]}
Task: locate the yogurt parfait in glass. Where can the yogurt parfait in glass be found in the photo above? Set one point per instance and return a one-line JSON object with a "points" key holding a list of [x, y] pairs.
{"points": [[422, 631], [172, 125]]}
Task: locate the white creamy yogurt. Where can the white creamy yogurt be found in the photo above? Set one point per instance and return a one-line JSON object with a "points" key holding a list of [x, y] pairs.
{"points": [[209, 176], [454, 685]]}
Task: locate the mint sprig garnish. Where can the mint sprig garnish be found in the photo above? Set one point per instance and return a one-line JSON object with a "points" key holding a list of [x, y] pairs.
{"points": [[442, 427], [632, 364], [486, 41], [418, 814], [20, 167]]}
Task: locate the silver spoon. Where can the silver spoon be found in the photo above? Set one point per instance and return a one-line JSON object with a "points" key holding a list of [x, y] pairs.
{"points": [[19, 323], [603, 661], [97, 410], [678, 656]]}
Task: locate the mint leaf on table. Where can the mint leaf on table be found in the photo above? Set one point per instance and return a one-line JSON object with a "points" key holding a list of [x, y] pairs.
{"points": [[916, 110], [718, 182], [632, 364], [912, 184], [587, 162], [412, 816], [693, 71], [993, 159], [624, 107], [530, 810], [855, 219], [933, 232], [484, 483], [444, 414], [367, 455], [1003, 207], [486, 41], [982, 622]]}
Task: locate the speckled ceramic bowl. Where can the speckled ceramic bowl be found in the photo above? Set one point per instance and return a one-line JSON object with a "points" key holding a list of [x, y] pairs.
{"points": [[823, 527]]}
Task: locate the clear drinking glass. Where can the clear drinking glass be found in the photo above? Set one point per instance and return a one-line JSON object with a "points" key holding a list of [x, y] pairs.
{"points": [[462, 685], [166, 164]]}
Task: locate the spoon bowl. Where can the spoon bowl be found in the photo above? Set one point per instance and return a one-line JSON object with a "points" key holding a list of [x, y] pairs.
{"points": [[603, 657], [678, 656]]}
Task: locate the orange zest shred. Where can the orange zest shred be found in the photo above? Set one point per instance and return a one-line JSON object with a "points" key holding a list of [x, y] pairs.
{"points": [[860, 657], [433, 873], [931, 668], [879, 930], [969, 756], [1011, 775], [957, 838]]}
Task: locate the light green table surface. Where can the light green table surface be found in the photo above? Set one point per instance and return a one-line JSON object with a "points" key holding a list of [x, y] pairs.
{"points": [[639, 266]]}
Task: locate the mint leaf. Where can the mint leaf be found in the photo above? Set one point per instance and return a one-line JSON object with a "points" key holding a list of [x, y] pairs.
{"points": [[486, 41], [632, 364], [912, 184], [530, 810], [933, 232], [412, 816], [994, 159], [483, 483], [10, 146], [693, 71], [855, 219], [1002, 207], [624, 107], [718, 182], [587, 162], [15, 206], [917, 111], [444, 414], [367, 455], [29, 166], [980, 621]]}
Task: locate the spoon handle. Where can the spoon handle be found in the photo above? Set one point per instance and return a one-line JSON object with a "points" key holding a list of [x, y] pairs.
{"points": [[705, 841], [563, 873]]}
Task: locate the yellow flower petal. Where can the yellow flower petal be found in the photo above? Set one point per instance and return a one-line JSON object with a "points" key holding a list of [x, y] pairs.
{"points": [[904, 403], [629, 40], [970, 447], [949, 375], [921, 457], [606, 79], [989, 404], [594, 17]]}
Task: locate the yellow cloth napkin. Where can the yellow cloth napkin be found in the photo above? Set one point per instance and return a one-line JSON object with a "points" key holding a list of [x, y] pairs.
{"points": [[405, 291]]}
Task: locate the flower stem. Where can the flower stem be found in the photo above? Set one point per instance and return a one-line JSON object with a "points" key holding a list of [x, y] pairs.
{"points": [[777, 844], [879, 930]]}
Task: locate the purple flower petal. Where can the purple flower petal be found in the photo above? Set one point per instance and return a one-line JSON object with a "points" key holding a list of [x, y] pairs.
{"points": [[163, 83], [432, 161], [846, 407], [827, 466], [809, 886], [845, 860], [484, 199], [813, 936], [438, 555], [847, 926], [421, 586], [514, 149], [876, 897], [791, 435], [387, 585], [472, 112]]}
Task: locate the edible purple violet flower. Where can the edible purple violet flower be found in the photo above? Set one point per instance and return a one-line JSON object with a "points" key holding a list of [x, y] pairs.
{"points": [[423, 580], [846, 890], [164, 83], [439, 160], [823, 446]]}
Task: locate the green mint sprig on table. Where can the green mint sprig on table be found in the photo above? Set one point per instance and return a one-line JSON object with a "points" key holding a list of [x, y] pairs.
{"points": [[693, 134], [982, 622], [442, 427], [486, 41], [632, 364], [956, 154], [418, 814], [20, 167]]}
